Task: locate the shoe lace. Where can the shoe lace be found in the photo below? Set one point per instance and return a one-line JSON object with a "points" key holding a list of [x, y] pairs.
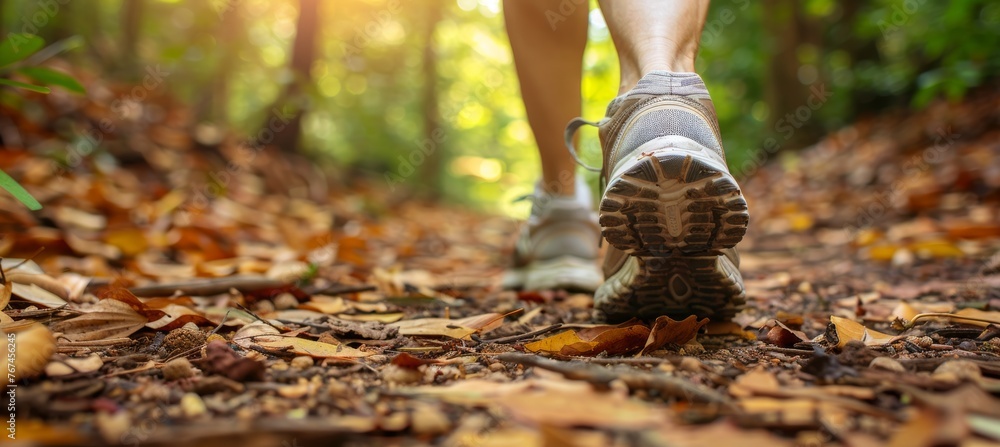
{"points": [[571, 129]]}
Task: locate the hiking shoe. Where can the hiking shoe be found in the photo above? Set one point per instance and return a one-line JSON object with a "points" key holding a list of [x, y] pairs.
{"points": [[671, 210], [558, 245]]}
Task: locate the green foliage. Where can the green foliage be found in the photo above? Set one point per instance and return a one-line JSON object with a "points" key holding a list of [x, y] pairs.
{"points": [[366, 107], [15, 50], [19, 193], [49, 76], [19, 46]]}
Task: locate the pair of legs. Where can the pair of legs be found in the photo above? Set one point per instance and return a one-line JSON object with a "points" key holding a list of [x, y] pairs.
{"points": [[548, 47]]}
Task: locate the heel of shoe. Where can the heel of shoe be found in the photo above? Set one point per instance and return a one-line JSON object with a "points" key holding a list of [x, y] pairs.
{"points": [[672, 197]]}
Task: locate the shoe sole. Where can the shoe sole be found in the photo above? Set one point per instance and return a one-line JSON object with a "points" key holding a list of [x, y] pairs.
{"points": [[672, 199], [676, 285], [673, 208]]}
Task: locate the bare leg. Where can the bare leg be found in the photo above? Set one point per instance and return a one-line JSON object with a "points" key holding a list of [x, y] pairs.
{"points": [[548, 57], [654, 35]]}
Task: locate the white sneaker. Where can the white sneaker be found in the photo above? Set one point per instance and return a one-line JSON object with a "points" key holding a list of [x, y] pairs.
{"points": [[558, 246]]}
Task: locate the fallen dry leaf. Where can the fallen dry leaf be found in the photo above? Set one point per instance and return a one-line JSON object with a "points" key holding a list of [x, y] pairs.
{"points": [[574, 409], [848, 330], [38, 295], [325, 304], [177, 316], [615, 340], [109, 318], [262, 335], [777, 333], [666, 330], [33, 345], [73, 365], [444, 327]]}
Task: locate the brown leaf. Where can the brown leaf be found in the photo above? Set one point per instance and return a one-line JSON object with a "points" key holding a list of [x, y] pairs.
{"points": [[176, 316], [262, 335], [123, 295], [666, 331], [221, 359], [405, 360], [443, 327], [108, 319], [778, 334], [624, 338]]}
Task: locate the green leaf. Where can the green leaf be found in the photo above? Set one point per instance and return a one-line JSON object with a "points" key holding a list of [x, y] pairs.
{"points": [[19, 193], [51, 77], [34, 88], [19, 46]]}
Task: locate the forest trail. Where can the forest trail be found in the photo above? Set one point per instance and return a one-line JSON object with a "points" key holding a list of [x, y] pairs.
{"points": [[207, 290]]}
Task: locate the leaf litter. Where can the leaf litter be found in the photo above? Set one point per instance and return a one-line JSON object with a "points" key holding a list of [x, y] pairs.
{"points": [[253, 314]]}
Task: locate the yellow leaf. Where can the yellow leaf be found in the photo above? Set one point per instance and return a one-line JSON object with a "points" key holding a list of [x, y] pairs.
{"points": [[568, 342], [624, 338], [848, 330]]}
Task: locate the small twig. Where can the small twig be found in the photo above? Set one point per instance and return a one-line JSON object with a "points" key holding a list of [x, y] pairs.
{"points": [[667, 386], [789, 351], [519, 337], [252, 314], [186, 353], [224, 318], [303, 323]]}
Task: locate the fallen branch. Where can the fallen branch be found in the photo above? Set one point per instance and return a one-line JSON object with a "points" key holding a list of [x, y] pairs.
{"points": [[667, 386], [211, 286]]}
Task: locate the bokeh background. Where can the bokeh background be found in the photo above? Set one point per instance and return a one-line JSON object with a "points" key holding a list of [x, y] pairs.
{"points": [[367, 83]]}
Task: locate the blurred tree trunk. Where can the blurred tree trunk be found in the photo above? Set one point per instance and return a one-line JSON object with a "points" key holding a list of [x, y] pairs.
{"points": [[131, 16], [790, 28], [211, 104], [432, 142], [294, 97]]}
